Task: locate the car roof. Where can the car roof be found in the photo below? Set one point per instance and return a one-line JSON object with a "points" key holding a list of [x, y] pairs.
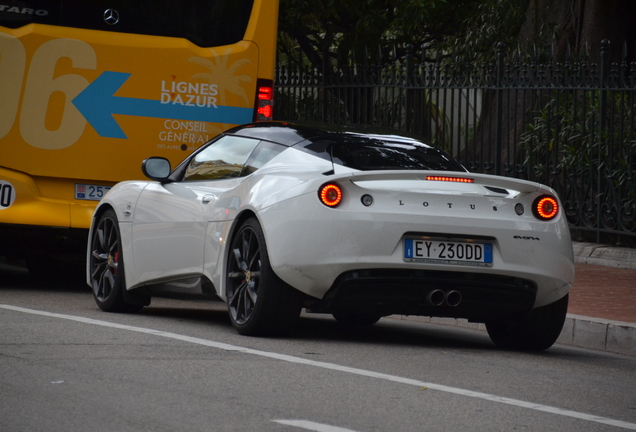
{"points": [[308, 133], [358, 147]]}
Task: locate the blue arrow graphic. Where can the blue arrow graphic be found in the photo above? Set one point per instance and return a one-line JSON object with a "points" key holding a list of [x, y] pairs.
{"points": [[98, 103]]}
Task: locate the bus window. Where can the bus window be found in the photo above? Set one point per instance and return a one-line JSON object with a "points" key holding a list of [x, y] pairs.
{"points": [[205, 23]]}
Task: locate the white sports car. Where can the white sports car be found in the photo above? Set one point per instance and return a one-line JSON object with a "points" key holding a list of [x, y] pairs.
{"points": [[276, 217]]}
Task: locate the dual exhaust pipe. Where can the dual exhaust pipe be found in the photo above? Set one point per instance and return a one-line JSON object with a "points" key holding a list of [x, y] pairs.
{"points": [[438, 297]]}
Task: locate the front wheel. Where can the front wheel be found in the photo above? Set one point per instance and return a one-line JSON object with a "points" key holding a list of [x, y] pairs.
{"points": [[537, 331], [107, 266], [259, 302]]}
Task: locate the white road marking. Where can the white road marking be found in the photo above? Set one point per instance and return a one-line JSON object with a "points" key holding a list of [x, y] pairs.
{"points": [[312, 426], [336, 367]]}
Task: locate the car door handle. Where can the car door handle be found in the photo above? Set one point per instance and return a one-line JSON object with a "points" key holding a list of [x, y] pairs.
{"points": [[207, 198]]}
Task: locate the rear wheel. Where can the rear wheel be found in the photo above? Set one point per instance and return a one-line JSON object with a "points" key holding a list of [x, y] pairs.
{"points": [[259, 302], [537, 331], [107, 266]]}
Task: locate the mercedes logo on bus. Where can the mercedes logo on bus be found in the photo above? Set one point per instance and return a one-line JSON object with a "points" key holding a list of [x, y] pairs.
{"points": [[111, 16]]}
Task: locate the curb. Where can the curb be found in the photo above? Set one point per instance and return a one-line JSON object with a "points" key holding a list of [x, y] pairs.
{"points": [[592, 253], [599, 334], [580, 331]]}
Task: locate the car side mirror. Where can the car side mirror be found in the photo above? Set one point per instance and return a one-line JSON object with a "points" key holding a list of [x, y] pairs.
{"points": [[156, 168]]}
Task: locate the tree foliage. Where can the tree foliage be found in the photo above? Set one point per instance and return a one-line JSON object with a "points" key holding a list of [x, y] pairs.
{"points": [[578, 27], [346, 30], [339, 30]]}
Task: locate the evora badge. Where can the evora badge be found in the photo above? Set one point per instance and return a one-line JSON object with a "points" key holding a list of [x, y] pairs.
{"points": [[111, 16]]}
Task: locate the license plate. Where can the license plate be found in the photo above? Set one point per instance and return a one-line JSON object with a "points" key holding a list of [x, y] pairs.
{"points": [[90, 192], [448, 252]]}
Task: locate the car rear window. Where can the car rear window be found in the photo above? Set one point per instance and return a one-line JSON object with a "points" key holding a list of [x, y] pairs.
{"points": [[383, 155]]}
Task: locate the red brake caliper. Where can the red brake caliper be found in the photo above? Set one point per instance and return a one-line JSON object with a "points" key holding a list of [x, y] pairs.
{"points": [[116, 261]]}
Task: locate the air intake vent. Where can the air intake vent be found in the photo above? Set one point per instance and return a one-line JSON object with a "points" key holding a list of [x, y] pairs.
{"points": [[497, 190]]}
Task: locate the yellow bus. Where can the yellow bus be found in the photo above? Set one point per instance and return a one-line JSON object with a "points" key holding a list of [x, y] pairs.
{"points": [[89, 88]]}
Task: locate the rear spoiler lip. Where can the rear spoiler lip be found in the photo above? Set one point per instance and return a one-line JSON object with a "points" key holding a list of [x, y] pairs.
{"points": [[523, 186]]}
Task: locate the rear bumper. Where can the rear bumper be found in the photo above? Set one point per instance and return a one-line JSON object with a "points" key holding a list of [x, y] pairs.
{"points": [[312, 248], [476, 297], [43, 201]]}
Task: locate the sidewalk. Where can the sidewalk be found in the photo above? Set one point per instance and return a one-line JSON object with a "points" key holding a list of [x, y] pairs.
{"points": [[602, 310]]}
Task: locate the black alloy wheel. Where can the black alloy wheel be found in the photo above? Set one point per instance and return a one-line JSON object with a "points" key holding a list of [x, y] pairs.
{"points": [[259, 302], [536, 331], [107, 266]]}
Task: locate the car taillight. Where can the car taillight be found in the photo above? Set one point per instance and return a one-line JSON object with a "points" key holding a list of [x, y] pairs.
{"points": [[545, 207], [330, 194], [264, 100], [450, 179]]}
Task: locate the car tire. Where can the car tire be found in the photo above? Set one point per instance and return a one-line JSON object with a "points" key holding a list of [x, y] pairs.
{"points": [[353, 319], [259, 302], [535, 332], [107, 266]]}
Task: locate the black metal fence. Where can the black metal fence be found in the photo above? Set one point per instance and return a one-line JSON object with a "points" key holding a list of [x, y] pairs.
{"points": [[569, 125]]}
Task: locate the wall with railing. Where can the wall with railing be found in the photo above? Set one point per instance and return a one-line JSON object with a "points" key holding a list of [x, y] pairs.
{"points": [[570, 124]]}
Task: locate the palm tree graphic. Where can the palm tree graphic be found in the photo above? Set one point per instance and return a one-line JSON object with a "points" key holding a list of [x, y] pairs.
{"points": [[223, 74]]}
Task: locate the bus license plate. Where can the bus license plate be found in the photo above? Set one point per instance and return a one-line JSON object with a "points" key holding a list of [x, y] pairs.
{"points": [[448, 252], [90, 192]]}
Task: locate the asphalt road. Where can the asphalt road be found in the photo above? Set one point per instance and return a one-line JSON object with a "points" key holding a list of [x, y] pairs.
{"points": [[180, 366]]}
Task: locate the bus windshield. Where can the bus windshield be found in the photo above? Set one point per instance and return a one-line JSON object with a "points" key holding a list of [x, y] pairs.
{"points": [[204, 23]]}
